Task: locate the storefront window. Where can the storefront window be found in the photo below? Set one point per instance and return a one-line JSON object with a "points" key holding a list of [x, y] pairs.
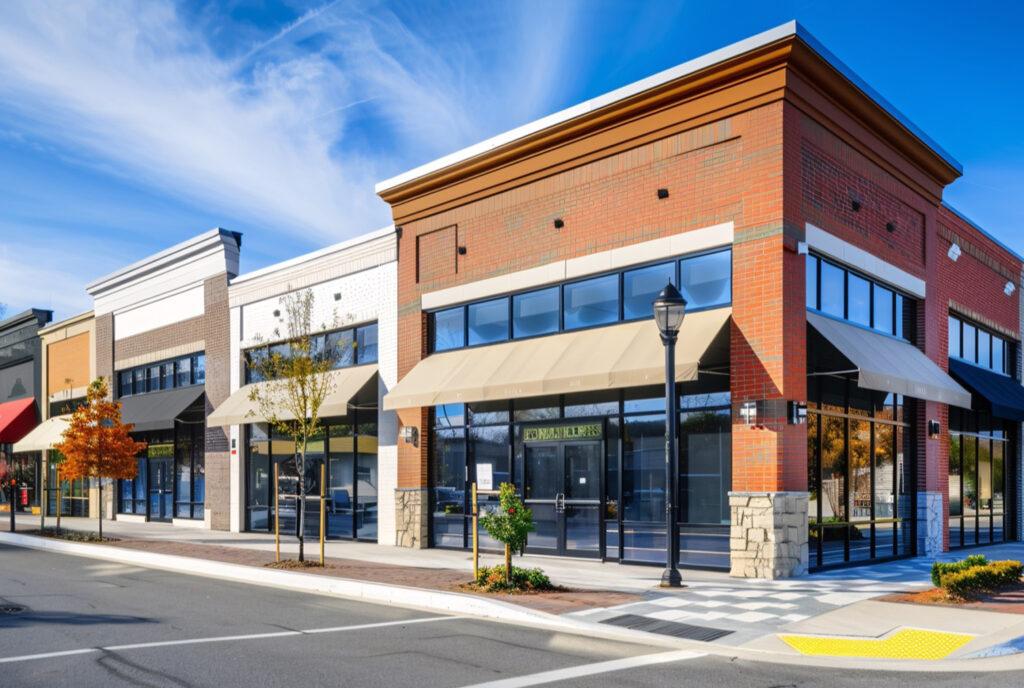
{"points": [[977, 478], [641, 287], [449, 329], [448, 493], [488, 322], [535, 313], [858, 304], [591, 302]]}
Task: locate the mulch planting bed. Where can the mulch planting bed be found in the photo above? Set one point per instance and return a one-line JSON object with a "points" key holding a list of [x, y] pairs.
{"points": [[1008, 601], [555, 602]]}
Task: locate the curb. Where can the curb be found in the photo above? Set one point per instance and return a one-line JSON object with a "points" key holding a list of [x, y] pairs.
{"points": [[472, 606]]}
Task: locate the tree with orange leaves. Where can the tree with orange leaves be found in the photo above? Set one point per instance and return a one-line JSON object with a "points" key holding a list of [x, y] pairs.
{"points": [[97, 444]]}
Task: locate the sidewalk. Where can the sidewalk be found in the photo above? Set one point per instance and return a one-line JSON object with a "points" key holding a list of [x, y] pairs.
{"points": [[780, 619]]}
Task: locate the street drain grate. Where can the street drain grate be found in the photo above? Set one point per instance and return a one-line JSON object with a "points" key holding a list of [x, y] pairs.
{"points": [[11, 610], [672, 628]]}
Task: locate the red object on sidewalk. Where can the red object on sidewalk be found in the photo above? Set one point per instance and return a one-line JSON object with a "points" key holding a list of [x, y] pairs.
{"points": [[16, 419]]}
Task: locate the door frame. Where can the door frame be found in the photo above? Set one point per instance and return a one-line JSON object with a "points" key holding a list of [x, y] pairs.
{"points": [[600, 443]]}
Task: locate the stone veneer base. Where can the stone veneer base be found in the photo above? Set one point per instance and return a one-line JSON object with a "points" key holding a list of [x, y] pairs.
{"points": [[768, 535], [411, 518]]}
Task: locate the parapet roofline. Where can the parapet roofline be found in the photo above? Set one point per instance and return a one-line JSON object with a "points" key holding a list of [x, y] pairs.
{"points": [[787, 30], [314, 255], [40, 315], [67, 322], [981, 231], [177, 251]]}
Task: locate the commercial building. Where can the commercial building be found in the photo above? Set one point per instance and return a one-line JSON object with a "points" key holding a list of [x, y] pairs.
{"points": [[353, 290], [826, 416], [68, 365], [21, 401], [162, 340]]}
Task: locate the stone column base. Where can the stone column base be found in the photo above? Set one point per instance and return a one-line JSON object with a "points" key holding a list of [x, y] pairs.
{"points": [[411, 518], [931, 523], [768, 537]]}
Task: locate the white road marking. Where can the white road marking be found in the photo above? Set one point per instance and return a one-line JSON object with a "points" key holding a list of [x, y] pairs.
{"points": [[222, 639], [589, 670]]}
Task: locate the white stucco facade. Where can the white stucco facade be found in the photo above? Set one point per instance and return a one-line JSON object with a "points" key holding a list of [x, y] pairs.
{"points": [[353, 283]]}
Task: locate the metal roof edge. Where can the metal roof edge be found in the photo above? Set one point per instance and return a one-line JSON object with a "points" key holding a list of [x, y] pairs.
{"points": [[790, 28]]}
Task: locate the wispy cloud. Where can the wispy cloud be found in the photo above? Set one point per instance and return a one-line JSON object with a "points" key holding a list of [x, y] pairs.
{"points": [[288, 131]]}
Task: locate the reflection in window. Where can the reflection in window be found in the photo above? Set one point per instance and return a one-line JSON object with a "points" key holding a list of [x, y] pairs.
{"points": [[858, 301], [535, 313], [811, 281], [640, 288], [592, 302], [366, 343], [706, 280], [488, 322], [449, 329], [882, 299], [833, 290]]}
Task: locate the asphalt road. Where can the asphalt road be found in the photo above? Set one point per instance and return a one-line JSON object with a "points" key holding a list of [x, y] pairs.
{"points": [[90, 623]]}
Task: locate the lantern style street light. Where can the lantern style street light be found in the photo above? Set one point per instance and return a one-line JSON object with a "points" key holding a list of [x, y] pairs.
{"points": [[669, 311]]}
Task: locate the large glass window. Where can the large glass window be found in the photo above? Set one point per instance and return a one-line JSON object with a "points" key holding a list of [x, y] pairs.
{"points": [[179, 372], [974, 344], [450, 329], [858, 300], [841, 293], [706, 280], [860, 506], [978, 447], [366, 344], [833, 290], [347, 347], [535, 313], [882, 302], [599, 300], [488, 322], [591, 302], [640, 287]]}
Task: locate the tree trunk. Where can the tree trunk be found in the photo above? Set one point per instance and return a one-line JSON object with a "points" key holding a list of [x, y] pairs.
{"points": [[508, 564], [302, 501], [100, 481]]}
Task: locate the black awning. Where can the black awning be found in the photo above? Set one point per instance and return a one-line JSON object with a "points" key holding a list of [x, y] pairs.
{"points": [[1003, 393], [157, 410]]}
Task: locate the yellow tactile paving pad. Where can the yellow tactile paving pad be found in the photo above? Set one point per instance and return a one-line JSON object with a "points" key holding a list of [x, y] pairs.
{"points": [[906, 643]]}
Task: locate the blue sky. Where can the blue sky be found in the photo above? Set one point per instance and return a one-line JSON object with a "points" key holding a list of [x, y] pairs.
{"points": [[128, 126]]}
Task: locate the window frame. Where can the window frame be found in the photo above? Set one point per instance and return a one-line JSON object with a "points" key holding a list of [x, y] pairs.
{"points": [[267, 347], [899, 298], [1007, 360]]}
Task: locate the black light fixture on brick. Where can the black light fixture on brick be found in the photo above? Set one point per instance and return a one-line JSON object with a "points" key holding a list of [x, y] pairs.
{"points": [[662, 194], [462, 250], [559, 223], [890, 227], [855, 204]]}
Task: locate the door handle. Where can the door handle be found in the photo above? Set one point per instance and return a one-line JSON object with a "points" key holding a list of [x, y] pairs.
{"points": [[560, 502]]}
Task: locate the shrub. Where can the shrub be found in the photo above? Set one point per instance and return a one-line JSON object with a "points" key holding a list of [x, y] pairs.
{"points": [[493, 579], [980, 579], [940, 568], [510, 524]]}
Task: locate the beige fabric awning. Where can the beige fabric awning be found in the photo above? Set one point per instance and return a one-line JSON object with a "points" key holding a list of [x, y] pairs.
{"points": [[44, 435], [238, 409], [627, 355], [885, 364]]}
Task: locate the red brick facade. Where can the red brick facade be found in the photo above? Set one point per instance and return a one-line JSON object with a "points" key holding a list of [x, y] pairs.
{"points": [[792, 145]]}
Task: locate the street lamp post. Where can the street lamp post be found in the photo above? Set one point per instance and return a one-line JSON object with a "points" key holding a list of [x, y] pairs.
{"points": [[669, 310]]}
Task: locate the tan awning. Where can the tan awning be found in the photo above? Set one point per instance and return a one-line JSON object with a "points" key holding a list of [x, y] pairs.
{"points": [[44, 435], [885, 364], [239, 408], [627, 355]]}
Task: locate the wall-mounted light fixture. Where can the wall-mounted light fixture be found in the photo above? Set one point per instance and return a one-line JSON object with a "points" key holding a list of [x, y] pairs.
{"points": [[462, 250], [953, 252], [337, 296], [933, 429], [662, 194], [796, 412], [277, 313], [558, 223], [890, 227], [855, 205], [748, 412], [1009, 288], [410, 434]]}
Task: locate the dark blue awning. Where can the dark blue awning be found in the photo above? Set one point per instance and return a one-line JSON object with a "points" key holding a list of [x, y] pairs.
{"points": [[1003, 393]]}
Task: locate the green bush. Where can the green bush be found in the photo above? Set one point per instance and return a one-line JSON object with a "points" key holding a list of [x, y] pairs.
{"points": [[492, 579], [980, 579], [940, 568]]}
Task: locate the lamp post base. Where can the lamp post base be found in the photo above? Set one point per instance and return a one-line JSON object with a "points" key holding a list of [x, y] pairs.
{"points": [[671, 579]]}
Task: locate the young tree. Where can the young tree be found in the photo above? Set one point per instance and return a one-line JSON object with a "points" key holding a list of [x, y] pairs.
{"points": [[509, 525], [96, 444], [296, 384]]}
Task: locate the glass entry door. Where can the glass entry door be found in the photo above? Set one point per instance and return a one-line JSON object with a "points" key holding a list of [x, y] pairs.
{"points": [[161, 489], [563, 489]]}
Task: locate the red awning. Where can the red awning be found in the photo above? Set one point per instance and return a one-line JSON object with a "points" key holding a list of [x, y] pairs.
{"points": [[16, 419]]}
